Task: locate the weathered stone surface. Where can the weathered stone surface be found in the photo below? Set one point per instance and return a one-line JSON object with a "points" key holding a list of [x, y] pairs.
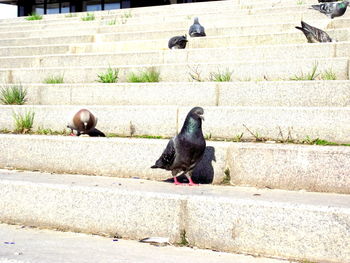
{"points": [[291, 167], [282, 224]]}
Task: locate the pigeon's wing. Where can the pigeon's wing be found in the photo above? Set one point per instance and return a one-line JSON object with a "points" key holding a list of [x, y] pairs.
{"points": [[95, 133], [172, 42], [168, 156], [202, 31], [317, 33], [193, 29]]}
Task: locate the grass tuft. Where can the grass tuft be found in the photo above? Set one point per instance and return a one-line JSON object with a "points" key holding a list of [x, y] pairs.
{"points": [[88, 17], [149, 75], [23, 123], [48, 131], [54, 80], [329, 75], [112, 22], [111, 76], [312, 75], [221, 76], [70, 15], [34, 16], [14, 95]]}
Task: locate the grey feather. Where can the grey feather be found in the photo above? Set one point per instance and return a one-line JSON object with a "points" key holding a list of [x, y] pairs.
{"points": [[178, 42], [313, 34], [196, 30], [332, 9], [185, 150]]}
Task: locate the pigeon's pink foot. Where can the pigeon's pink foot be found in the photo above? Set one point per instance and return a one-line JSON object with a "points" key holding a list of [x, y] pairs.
{"points": [[191, 183], [176, 182], [72, 134]]}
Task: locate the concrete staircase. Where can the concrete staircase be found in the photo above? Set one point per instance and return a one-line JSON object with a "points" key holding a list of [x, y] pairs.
{"points": [[289, 201]]}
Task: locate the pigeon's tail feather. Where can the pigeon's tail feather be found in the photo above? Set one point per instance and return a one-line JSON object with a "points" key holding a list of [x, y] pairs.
{"points": [[300, 28], [316, 7]]}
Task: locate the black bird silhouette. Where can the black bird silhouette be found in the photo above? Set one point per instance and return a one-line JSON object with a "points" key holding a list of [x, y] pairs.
{"points": [[196, 30], [178, 42], [185, 150]]}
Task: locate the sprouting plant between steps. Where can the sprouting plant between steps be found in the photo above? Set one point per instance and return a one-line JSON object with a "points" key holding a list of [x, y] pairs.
{"points": [[23, 123], [88, 17], [34, 16], [54, 79], [328, 75], [184, 242], [13, 95], [125, 17], [48, 131], [195, 74], [238, 137], [221, 76], [70, 15], [148, 75], [312, 75], [112, 22], [300, 2], [111, 76], [227, 179]]}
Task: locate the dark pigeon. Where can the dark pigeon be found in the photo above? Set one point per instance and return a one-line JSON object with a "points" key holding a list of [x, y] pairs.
{"points": [[313, 34], [84, 122], [332, 9], [177, 42], [196, 30], [186, 149]]}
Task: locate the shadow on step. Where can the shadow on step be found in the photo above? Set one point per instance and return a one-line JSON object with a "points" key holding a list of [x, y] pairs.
{"points": [[204, 172]]}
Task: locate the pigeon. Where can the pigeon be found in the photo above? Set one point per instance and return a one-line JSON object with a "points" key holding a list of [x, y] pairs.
{"points": [[178, 42], [83, 122], [196, 30], [332, 9], [184, 151], [313, 34]]}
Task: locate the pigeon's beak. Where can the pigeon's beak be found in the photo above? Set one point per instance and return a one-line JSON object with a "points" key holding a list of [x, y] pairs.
{"points": [[202, 117]]}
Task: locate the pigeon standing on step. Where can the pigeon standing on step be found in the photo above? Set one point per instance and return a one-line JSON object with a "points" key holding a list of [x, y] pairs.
{"points": [[313, 34], [332, 9], [196, 30], [84, 122], [185, 150], [178, 42]]}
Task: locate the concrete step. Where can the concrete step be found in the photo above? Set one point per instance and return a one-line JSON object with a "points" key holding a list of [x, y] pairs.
{"points": [[181, 12], [296, 51], [39, 41], [158, 32], [262, 165], [251, 221], [180, 72], [130, 31], [25, 245], [328, 123], [335, 93]]}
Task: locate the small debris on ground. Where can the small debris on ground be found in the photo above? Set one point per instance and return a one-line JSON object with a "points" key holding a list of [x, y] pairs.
{"points": [[156, 241]]}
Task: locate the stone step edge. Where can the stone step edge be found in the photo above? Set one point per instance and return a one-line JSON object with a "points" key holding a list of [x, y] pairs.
{"points": [[293, 167], [214, 217]]}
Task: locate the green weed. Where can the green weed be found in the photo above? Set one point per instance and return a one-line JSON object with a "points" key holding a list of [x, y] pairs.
{"points": [[88, 17], [13, 95], [111, 76], [54, 80], [34, 16], [149, 75], [23, 123], [328, 75], [221, 76], [312, 75]]}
